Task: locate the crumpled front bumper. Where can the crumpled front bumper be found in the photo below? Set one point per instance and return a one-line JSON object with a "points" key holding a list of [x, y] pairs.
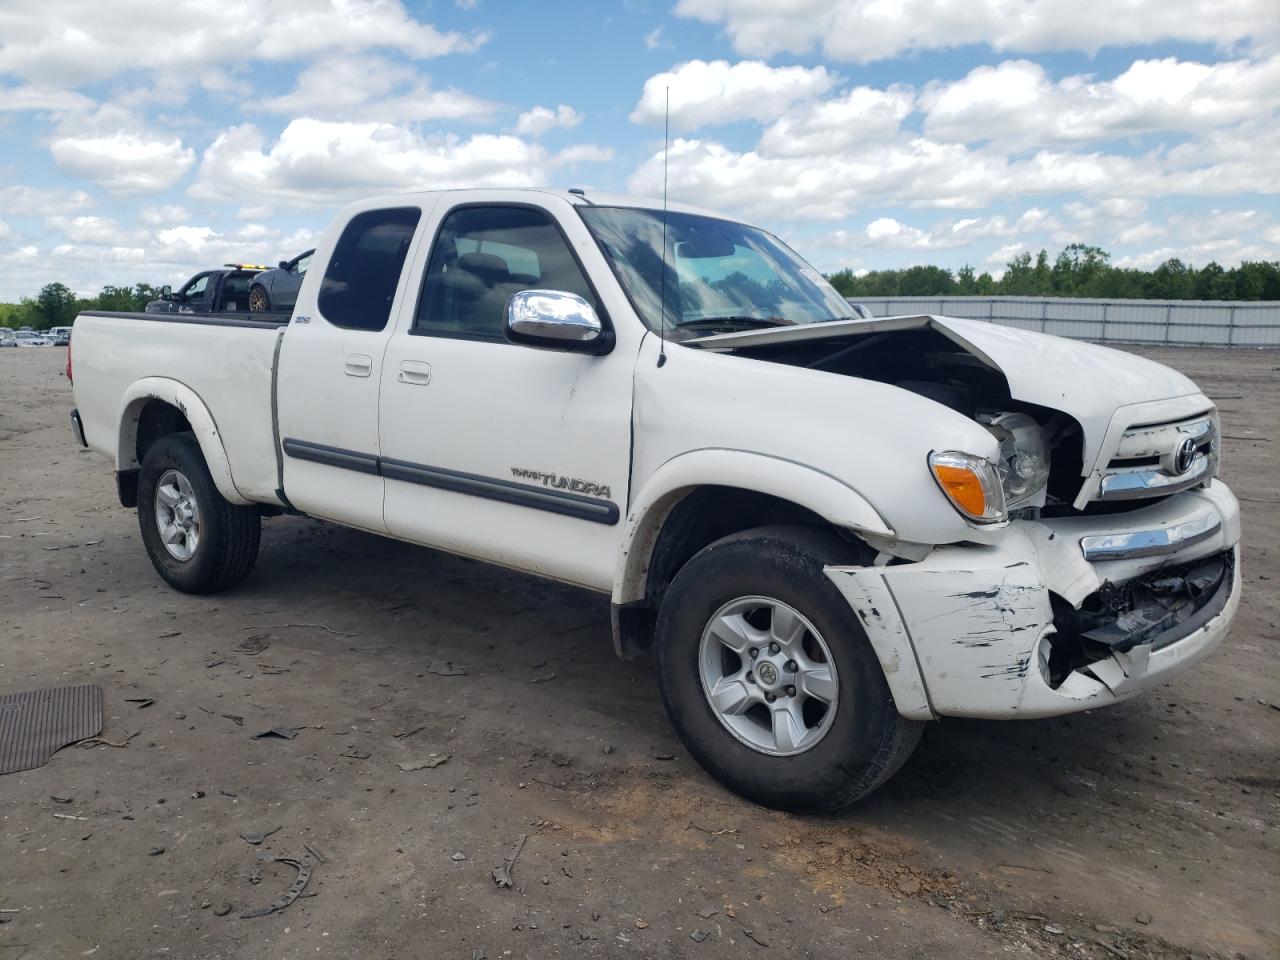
{"points": [[968, 630]]}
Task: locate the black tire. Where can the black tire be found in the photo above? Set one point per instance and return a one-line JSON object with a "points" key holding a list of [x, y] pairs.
{"points": [[259, 299], [228, 534], [868, 739]]}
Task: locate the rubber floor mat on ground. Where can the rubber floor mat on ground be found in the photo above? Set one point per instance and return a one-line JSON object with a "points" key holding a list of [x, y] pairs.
{"points": [[36, 724]]}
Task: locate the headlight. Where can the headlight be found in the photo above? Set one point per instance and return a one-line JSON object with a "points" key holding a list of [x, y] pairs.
{"points": [[971, 484], [1024, 458]]}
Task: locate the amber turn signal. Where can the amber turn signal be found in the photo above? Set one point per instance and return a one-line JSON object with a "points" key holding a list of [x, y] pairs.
{"points": [[971, 484]]}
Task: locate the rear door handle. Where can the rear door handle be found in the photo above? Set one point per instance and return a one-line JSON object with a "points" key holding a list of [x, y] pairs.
{"points": [[415, 371], [357, 365]]}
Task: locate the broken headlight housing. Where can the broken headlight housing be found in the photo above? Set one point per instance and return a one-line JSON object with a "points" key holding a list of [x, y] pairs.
{"points": [[1023, 465]]}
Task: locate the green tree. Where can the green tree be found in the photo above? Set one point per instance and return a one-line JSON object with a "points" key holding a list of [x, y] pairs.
{"points": [[56, 306]]}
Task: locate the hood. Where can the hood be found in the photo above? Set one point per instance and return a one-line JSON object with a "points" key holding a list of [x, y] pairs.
{"points": [[1086, 381]]}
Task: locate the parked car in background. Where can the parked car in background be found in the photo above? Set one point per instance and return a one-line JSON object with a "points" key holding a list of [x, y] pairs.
{"points": [[212, 291], [277, 289], [59, 336], [8, 338], [29, 338]]}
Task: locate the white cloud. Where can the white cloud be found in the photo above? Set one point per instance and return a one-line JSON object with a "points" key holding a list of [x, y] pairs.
{"points": [[859, 116], [536, 122], [653, 39], [88, 229], [27, 97], [25, 201], [1017, 101], [164, 214], [584, 153], [708, 93], [373, 89], [124, 162], [4, 230], [321, 163], [869, 30], [891, 233], [65, 43]]}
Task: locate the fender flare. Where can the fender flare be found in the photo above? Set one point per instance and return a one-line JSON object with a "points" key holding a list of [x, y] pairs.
{"points": [[178, 395], [832, 499]]}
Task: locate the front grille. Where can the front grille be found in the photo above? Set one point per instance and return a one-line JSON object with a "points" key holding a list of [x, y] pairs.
{"points": [[1155, 460]]}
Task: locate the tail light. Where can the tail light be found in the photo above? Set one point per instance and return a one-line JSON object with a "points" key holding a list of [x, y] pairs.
{"points": [[69, 380]]}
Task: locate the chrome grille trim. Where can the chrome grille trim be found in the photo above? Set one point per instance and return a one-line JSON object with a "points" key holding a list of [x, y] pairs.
{"points": [[1129, 474]]}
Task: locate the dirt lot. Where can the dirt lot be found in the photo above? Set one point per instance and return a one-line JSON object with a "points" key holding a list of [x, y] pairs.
{"points": [[1143, 830]]}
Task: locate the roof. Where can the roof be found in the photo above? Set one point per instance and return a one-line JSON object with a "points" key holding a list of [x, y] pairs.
{"points": [[525, 195]]}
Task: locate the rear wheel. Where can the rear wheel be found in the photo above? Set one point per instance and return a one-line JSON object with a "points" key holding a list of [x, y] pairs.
{"points": [[259, 300], [769, 678], [197, 541]]}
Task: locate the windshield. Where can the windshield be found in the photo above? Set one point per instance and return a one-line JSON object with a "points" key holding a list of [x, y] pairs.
{"points": [[720, 276]]}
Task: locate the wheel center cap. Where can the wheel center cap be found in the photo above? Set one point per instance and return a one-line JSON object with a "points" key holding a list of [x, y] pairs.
{"points": [[767, 673]]}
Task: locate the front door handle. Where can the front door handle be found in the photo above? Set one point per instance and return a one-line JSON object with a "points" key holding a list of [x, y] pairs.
{"points": [[357, 365], [415, 371]]}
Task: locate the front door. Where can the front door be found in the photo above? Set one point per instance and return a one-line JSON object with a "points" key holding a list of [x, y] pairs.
{"points": [[505, 452], [330, 367]]}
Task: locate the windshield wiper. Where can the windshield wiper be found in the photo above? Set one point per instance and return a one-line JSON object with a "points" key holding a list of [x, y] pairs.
{"points": [[734, 323]]}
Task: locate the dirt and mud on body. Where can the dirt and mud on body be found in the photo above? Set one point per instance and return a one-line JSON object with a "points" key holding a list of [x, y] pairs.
{"points": [[387, 722]]}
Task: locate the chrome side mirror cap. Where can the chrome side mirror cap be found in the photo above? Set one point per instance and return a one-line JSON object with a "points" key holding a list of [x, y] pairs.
{"points": [[557, 320]]}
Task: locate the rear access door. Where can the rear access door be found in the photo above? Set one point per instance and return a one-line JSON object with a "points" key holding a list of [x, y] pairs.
{"points": [[331, 364]]}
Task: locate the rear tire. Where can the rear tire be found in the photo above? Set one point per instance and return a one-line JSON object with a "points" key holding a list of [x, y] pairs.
{"points": [[259, 299], [750, 585], [197, 541]]}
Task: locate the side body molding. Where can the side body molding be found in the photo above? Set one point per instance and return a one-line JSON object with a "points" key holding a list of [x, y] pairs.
{"points": [[823, 494], [193, 408]]}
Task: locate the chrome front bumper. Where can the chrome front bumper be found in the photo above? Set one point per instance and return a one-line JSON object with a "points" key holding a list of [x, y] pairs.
{"points": [[965, 632]]}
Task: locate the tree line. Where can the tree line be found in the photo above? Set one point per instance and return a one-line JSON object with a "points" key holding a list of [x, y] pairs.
{"points": [[56, 305], [1078, 271]]}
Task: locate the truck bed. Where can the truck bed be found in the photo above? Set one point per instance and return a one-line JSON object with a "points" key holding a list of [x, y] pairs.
{"points": [[227, 360]]}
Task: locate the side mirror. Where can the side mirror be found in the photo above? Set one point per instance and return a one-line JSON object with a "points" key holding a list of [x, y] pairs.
{"points": [[166, 292], [556, 320], [284, 264]]}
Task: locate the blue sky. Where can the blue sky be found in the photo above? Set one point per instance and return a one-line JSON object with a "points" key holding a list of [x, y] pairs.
{"points": [[141, 140]]}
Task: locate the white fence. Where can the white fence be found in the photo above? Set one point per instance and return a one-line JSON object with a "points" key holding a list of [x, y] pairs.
{"points": [[1220, 323]]}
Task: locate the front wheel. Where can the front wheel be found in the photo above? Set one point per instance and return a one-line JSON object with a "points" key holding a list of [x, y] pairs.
{"points": [[769, 678], [197, 541], [259, 300]]}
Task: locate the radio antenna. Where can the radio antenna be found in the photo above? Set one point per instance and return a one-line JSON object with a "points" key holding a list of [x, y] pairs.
{"points": [[666, 148]]}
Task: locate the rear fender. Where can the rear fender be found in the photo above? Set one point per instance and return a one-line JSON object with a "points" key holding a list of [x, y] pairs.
{"points": [[202, 423]]}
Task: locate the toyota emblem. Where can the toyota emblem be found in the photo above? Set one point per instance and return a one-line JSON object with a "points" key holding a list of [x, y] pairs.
{"points": [[1184, 456]]}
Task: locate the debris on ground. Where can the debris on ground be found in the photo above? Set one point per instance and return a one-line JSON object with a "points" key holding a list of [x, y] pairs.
{"points": [[700, 935], [544, 678], [234, 718], [502, 875], [432, 761], [36, 724], [276, 733], [351, 753], [404, 734], [290, 895], [156, 851], [222, 909], [257, 838], [447, 668], [102, 741], [142, 702], [254, 644]]}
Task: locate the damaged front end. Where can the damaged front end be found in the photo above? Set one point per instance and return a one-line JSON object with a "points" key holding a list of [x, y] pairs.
{"points": [[1154, 610]]}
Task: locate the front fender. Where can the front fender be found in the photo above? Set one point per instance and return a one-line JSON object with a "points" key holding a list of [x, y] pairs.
{"points": [[826, 496], [202, 423]]}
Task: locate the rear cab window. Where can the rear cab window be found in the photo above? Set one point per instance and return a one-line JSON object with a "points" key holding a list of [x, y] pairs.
{"points": [[364, 270]]}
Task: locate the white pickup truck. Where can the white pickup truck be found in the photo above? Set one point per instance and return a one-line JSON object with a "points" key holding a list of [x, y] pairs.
{"points": [[828, 528]]}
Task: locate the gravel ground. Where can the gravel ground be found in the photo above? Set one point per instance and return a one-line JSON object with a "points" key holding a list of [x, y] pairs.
{"points": [[1144, 830]]}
